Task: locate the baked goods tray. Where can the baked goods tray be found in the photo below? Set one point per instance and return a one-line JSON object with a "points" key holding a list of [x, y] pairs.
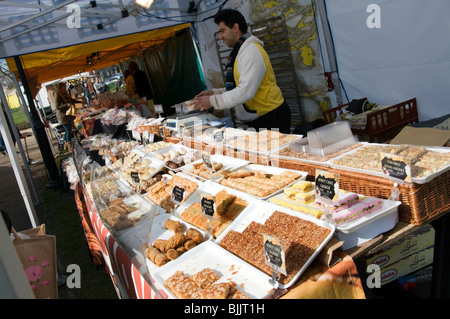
{"points": [[249, 280], [320, 160], [260, 211], [270, 170], [264, 151], [389, 207], [144, 209], [207, 136], [157, 230], [229, 163], [417, 180], [210, 188], [179, 151]]}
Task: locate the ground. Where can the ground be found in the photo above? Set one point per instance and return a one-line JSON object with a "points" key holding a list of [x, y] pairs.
{"points": [[57, 210]]}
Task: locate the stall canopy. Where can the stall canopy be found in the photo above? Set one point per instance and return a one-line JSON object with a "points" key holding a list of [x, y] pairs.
{"points": [[57, 38], [53, 64]]}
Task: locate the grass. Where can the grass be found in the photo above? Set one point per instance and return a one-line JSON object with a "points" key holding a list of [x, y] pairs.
{"points": [[20, 118], [63, 221]]}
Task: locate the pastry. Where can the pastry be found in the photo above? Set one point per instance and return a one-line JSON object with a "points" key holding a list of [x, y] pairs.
{"points": [[223, 201], [173, 225], [216, 291], [183, 287], [189, 244], [195, 235], [172, 254], [234, 293], [174, 241], [205, 277]]}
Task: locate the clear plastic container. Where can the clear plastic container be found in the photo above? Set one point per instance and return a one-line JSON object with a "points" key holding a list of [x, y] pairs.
{"points": [[331, 138]]}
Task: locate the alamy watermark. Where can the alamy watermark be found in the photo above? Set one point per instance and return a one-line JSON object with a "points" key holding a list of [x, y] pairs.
{"points": [[74, 19], [374, 19], [74, 278]]}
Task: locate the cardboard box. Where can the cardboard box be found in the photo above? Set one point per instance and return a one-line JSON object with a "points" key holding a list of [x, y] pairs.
{"points": [[422, 136], [410, 244], [407, 265]]}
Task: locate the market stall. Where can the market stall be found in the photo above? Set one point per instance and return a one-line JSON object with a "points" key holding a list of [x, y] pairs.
{"points": [[144, 205]]}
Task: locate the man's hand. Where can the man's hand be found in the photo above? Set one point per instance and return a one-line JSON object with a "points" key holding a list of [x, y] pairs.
{"points": [[201, 100], [202, 103]]}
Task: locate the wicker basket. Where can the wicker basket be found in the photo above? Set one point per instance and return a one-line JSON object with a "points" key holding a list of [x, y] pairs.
{"points": [[420, 202]]}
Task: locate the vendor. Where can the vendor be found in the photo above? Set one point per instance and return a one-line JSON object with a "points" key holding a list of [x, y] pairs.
{"points": [[130, 87], [63, 102], [141, 82], [250, 86]]}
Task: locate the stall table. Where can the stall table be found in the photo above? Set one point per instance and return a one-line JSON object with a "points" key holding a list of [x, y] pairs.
{"points": [[127, 268], [427, 203]]}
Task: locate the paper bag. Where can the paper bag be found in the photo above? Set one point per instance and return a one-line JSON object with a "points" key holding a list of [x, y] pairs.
{"points": [[37, 253], [72, 110]]}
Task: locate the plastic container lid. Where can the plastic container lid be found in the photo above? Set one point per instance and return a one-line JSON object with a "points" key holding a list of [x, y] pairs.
{"points": [[331, 138]]}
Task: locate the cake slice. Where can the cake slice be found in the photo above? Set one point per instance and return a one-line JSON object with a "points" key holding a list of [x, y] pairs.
{"points": [[346, 200], [362, 208]]}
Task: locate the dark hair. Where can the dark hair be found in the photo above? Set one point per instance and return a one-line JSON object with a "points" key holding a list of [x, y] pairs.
{"points": [[230, 17]]}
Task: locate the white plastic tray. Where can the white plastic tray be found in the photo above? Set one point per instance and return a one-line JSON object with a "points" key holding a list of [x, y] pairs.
{"points": [[271, 170], [254, 283], [389, 207], [276, 155], [210, 188], [417, 180], [264, 152], [158, 231], [370, 226], [145, 208], [168, 149], [229, 163], [260, 211]]}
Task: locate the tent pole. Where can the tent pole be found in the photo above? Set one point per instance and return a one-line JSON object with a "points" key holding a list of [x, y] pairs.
{"points": [[329, 48], [17, 168], [39, 131], [25, 160]]}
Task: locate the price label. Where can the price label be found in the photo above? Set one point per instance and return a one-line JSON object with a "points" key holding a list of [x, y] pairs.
{"points": [[178, 194], [327, 186], [135, 176], [208, 204], [396, 166], [219, 136], [274, 253], [207, 160], [136, 135]]}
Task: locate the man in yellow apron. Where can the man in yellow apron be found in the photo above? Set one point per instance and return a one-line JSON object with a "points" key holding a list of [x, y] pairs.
{"points": [[250, 87]]}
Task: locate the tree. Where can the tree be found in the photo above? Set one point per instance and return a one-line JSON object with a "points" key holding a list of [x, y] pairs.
{"points": [[5, 77]]}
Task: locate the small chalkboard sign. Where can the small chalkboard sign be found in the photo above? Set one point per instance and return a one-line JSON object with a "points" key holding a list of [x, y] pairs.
{"points": [[135, 176], [327, 186], [396, 166], [178, 194], [219, 136], [274, 253], [207, 160], [208, 204]]}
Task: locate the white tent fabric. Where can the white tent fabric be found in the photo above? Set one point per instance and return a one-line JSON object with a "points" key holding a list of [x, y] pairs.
{"points": [[59, 28], [406, 57]]}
